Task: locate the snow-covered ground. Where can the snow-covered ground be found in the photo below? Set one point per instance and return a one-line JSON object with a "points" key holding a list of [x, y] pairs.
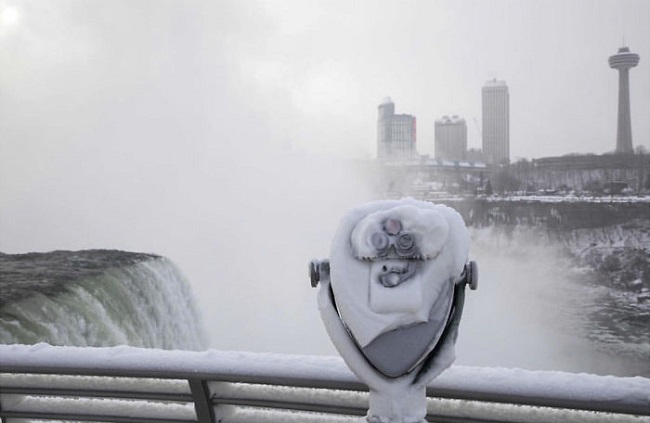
{"points": [[572, 198]]}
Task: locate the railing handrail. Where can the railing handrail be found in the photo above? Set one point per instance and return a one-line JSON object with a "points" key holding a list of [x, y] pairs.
{"points": [[135, 362], [510, 386]]}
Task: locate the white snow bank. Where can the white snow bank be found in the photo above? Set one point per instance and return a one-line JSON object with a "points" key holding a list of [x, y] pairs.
{"points": [[570, 199], [546, 384], [128, 384], [100, 407]]}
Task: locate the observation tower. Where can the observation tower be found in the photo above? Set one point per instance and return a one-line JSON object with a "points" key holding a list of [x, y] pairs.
{"points": [[623, 61]]}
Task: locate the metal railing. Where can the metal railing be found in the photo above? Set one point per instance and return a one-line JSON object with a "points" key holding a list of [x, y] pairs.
{"points": [[126, 384]]}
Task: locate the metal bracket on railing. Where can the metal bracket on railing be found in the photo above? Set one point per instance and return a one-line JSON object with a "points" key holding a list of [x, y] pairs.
{"points": [[202, 405]]}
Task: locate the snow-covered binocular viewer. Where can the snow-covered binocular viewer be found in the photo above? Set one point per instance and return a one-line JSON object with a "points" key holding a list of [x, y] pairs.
{"points": [[391, 298]]}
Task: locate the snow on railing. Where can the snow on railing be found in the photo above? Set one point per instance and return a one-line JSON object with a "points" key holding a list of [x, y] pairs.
{"points": [[126, 384]]}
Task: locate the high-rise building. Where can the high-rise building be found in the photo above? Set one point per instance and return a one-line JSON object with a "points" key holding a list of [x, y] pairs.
{"points": [[451, 138], [396, 134], [496, 122], [623, 61]]}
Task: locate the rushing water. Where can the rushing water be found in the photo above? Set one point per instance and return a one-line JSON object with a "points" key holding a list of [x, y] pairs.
{"points": [[537, 307], [97, 298]]}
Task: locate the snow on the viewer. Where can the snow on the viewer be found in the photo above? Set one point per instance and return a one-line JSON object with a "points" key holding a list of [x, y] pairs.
{"points": [[441, 236]]}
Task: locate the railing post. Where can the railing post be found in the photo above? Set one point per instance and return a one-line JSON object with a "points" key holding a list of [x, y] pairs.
{"points": [[202, 403]]}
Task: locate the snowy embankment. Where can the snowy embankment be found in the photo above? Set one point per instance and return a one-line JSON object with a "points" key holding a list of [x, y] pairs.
{"points": [[481, 387], [572, 198]]}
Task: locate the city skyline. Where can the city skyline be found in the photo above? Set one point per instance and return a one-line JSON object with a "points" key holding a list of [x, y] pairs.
{"points": [[494, 131]]}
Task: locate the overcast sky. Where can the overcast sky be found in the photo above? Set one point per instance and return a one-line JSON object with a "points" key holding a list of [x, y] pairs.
{"points": [[310, 75], [214, 132]]}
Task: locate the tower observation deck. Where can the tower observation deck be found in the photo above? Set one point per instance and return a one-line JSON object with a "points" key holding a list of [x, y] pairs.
{"points": [[623, 61]]}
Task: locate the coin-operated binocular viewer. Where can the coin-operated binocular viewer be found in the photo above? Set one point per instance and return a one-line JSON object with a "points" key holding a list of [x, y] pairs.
{"points": [[391, 298]]}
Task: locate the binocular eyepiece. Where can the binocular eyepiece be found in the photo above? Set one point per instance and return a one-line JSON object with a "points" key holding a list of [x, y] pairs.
{"points": [[403, 245], [319, 270]]}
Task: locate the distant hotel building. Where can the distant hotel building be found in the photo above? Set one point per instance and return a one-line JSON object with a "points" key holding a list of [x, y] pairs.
{"points": [[451, 138], [396, 134], [496, 122]]}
